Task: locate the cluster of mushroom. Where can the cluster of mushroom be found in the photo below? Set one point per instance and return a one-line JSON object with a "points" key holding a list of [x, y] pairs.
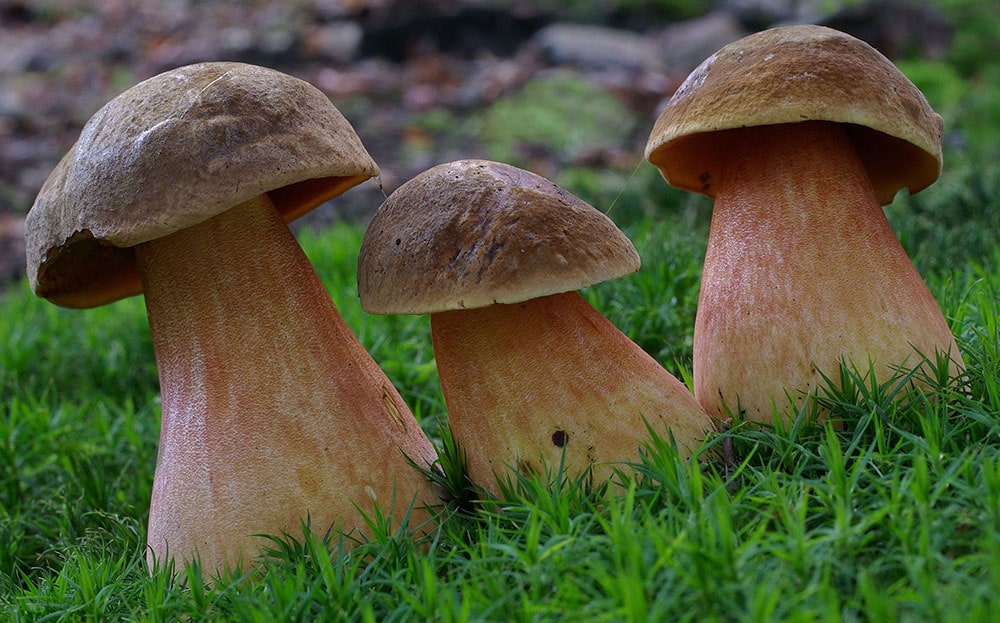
{"points": [[181, 189]]}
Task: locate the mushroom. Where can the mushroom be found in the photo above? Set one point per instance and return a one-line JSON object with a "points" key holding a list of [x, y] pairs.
{"points": [[532, 375], [273, 413], [801, 134]]}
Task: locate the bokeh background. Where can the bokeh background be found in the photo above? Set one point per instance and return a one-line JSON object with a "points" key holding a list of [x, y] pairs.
{"points": [[566, 88]]}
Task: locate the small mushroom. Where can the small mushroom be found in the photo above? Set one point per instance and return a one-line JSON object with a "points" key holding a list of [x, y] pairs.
{"points": [[801, 134], [531, 373], [180, 188]]}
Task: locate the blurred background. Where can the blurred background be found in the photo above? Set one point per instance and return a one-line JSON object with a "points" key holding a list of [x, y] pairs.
{"points": [[566, 88]]}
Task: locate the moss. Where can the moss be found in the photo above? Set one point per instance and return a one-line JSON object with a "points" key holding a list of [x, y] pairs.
{"points": [[560, 116]]}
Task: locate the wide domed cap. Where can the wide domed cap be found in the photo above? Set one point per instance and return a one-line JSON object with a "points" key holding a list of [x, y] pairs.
{"points": [[791, 74], [176, 150], [473, 233]]}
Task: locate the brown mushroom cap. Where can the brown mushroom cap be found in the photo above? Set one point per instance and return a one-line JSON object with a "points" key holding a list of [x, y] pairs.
{"points": [[473, 233], [791, 74], [173, 151]]}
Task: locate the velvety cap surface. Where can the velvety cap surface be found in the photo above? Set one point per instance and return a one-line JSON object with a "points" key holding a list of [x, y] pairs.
{"points": [[173, 151], [791, 74], [473, 233]]}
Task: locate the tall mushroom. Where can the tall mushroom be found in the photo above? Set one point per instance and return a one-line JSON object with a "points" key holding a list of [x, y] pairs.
{"points": [[801, 134], [528, 368], [180, 188]]}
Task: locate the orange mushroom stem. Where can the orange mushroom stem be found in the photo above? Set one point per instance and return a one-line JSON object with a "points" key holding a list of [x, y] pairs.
{"points": [[269, 417], [802, 269], [563, 385]]}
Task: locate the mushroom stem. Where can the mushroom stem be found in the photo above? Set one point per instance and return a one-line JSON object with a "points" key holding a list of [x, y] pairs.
{"points": [[560, 377], [802, 271], [272, 410]]}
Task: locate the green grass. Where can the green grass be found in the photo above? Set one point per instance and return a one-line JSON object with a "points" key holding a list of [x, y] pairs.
{"points": [[894, 517]]}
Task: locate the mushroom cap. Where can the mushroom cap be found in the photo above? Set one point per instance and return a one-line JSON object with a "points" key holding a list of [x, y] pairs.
{"points": [[791, 74], [176, 150], [472, 233]]}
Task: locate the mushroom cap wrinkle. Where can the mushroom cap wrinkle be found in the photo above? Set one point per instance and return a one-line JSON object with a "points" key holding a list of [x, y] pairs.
{"points": [[172, 152], [791, 74], [473, 233]]}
